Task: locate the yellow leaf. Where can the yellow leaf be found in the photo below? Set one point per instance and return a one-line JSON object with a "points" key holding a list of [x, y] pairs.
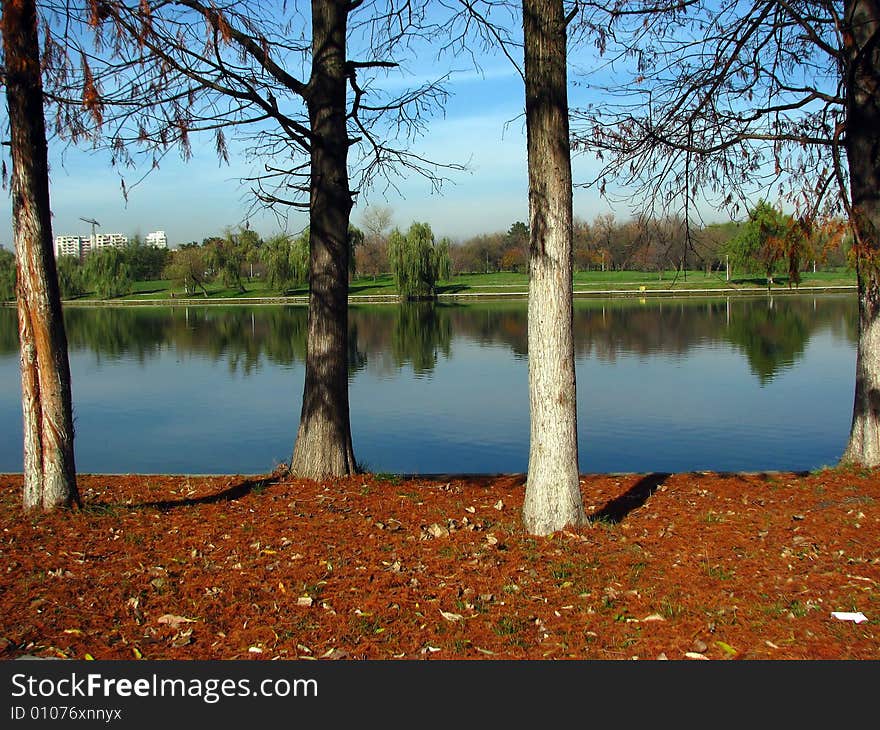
{"points": [[89, 658], [137, 653]]}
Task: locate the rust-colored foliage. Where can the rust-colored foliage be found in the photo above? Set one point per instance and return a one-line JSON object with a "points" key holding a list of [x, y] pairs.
{"points": [[173, 567], [91, 97]]}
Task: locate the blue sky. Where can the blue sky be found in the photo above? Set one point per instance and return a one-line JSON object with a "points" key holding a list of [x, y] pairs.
{"points": [[194, 199], [482, 126]]}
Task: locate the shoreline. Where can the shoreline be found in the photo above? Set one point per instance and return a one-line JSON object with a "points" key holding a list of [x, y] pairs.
{"points": [[466, 296]]}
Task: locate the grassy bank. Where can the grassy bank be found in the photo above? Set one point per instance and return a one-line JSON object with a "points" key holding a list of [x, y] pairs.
{"points": [[508, 284]]}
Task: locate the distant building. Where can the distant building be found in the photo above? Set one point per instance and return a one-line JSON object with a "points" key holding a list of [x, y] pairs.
{"points": [[80, 246], [77, 246], [108, 240], [157, 239]]}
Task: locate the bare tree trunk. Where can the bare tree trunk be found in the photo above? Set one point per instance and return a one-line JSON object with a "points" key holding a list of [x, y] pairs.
{"points": [[323, 444], [49, 469], [553, 498], [862, 140]]}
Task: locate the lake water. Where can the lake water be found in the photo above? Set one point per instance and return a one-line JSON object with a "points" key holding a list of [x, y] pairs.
{"points": [[748, 383]]}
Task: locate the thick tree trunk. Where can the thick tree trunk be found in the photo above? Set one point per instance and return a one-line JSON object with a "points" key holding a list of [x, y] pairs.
{"points": [[553, 497], [323, 444], [862, 140], [49, 469]]}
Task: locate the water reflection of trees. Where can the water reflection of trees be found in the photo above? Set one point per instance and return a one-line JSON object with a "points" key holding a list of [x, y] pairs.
{"points": [[421, 332], [772, 334]]}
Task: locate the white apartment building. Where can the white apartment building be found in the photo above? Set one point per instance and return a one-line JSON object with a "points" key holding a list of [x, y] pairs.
{"points": [[71, 246], [107, 240], [80, 246], [157, 239]]}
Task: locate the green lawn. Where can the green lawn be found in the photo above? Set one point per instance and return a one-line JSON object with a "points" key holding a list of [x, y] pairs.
{"points": [[508, 282]]}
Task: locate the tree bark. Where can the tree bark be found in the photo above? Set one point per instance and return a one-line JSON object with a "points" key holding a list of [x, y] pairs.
{"points": [[323, 443], [862, 143], [553, 498], [49, 469]]}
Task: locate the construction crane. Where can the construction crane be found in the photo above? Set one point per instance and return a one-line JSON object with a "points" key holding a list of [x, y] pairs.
{"points": [[93, 222]]}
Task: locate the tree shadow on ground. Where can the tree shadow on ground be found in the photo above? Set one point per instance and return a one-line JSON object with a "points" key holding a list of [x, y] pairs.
{"points": [[230, 494], [451, 288], [618, 508]]}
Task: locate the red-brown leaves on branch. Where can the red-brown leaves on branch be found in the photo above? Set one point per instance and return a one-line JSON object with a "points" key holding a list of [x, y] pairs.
{"points": [[222, 27], [98, 11], [146, 17], [91, 97], [183, 138]]}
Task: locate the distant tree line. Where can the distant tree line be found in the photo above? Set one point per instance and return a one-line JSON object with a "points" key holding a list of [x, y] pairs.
{"points": [[768, 244], [639, 244]]}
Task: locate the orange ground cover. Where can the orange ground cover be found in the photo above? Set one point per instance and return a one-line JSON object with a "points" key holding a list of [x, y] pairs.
{"points": [[673, 566]]}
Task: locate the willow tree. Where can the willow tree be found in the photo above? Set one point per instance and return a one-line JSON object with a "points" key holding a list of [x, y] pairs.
{"points": [[553, 497], [738, 99], [313, 118], [49, 465], [417, 261]]}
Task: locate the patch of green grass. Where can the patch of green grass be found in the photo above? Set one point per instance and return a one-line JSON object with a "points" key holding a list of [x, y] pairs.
{"points": [[447, 552], [636, 571], [509, 625], [605, 522], [719, 572], [365, 625], [670, 608], [392, 479], [562, 571], [101, 509], [260, 487]]}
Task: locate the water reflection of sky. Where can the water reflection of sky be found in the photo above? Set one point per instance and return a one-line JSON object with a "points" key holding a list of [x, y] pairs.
{"points": [[666, 394]]}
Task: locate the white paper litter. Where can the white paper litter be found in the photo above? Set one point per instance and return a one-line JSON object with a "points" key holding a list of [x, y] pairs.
{"points": [[847, 616]]}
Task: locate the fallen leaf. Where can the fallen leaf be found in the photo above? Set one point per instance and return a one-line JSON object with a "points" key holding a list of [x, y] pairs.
{"points": [[696, 655], [174, 621], [436, 530], [304, 601], [453, 617]]}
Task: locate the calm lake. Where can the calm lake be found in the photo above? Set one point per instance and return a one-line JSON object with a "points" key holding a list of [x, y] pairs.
{"points": [[748, 383]]}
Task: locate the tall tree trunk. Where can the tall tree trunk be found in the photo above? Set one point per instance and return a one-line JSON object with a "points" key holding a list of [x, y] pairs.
{"points": [[553, 497], [323, 444], [49, 469], [862, 141]]}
